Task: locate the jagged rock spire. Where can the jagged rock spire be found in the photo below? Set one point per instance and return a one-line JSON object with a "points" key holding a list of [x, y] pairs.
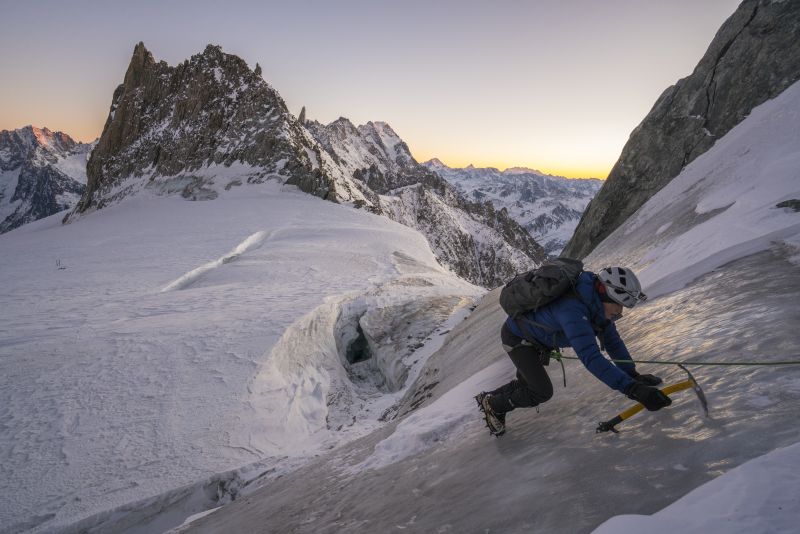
{"points": [[209, 110]]}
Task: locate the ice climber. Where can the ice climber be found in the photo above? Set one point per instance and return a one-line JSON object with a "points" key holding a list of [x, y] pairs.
{"points": [[585, 312]]}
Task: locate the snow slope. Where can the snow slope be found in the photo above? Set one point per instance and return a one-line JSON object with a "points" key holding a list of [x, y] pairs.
{"points": [[758, 496], [723, 207], [720, 261], [182, 340]]}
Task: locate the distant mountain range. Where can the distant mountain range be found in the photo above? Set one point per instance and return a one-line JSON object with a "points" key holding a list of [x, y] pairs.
{"points": [[549, 207], [41, 173]]}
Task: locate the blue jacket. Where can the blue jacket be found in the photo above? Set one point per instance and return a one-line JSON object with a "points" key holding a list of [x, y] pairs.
{"points": [[575, 322]]}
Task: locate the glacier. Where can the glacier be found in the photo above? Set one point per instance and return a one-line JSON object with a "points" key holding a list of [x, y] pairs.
{"points": [[199, 366], [185, 339]]}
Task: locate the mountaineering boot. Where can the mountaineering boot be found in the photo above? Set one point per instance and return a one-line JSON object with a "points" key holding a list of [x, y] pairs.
{"points": [[496, 421]]}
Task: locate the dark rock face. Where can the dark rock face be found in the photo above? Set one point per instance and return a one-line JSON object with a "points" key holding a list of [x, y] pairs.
{"points": [[793, 204], [41, 173], [210, 110], [753, 58]]}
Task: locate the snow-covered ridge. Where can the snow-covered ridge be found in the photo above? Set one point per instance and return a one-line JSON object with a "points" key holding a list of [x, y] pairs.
{"points": [[549, 207], [473, 239], [361, 147]]}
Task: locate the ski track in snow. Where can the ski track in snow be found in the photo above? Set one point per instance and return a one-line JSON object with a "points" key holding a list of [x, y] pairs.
{"points": [[252, 242]]}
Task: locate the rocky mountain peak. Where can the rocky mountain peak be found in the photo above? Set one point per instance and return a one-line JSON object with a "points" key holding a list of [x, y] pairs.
{"points": [[42, 172], [30, 141], [166, 123], [214, 61], [342, 127], [434, 163], [142, 63], [385, 141]]}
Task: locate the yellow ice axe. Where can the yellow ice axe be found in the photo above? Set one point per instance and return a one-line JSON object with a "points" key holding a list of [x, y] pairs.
{"points": [[689, 383]]}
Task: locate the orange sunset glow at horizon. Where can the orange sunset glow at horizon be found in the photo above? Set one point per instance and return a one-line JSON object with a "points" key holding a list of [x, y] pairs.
{"points": [[552, 86]]}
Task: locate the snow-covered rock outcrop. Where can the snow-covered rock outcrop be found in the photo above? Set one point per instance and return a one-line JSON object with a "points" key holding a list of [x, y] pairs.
{"points": [[549, 207], [739, 198], [41, 173], [474, 238]]}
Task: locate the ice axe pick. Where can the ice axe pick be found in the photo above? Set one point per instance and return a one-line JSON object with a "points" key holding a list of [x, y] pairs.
{"points": [[689, 383]]}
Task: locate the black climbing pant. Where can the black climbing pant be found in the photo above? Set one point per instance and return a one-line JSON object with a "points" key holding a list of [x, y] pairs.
{"points": [[532, 385]]}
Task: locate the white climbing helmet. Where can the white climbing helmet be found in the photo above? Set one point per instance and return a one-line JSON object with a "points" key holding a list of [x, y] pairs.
{"points": [[622, 286]]}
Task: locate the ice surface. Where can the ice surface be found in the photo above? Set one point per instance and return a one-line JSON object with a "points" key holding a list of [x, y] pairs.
{"points": [[438, 470]]}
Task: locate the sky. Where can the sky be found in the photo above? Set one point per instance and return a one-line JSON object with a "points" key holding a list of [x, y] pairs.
{"points": [[554, 85]]}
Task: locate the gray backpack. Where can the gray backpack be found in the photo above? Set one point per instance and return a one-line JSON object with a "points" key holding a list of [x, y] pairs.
{"points": [[534, 289]]}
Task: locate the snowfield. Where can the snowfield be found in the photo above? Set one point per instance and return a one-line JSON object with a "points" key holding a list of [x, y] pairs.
{"points": [[185, 349]]}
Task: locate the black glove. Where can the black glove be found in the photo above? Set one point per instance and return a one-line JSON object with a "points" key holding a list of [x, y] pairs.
{"points": [[647, 380], [652, 398]]}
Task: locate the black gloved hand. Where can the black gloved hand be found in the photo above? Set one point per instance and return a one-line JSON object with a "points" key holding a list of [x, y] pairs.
{"points": [[652, 398], [647, 380]]}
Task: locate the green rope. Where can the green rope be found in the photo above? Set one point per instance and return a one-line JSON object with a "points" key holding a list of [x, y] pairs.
{"points": [[675, 362]]}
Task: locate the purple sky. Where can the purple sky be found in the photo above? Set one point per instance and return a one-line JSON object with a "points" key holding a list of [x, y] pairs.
{"points": [[556, 85]]}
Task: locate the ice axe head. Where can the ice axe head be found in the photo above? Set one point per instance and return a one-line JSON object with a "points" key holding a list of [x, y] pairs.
{"points": [[697, 389]]}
